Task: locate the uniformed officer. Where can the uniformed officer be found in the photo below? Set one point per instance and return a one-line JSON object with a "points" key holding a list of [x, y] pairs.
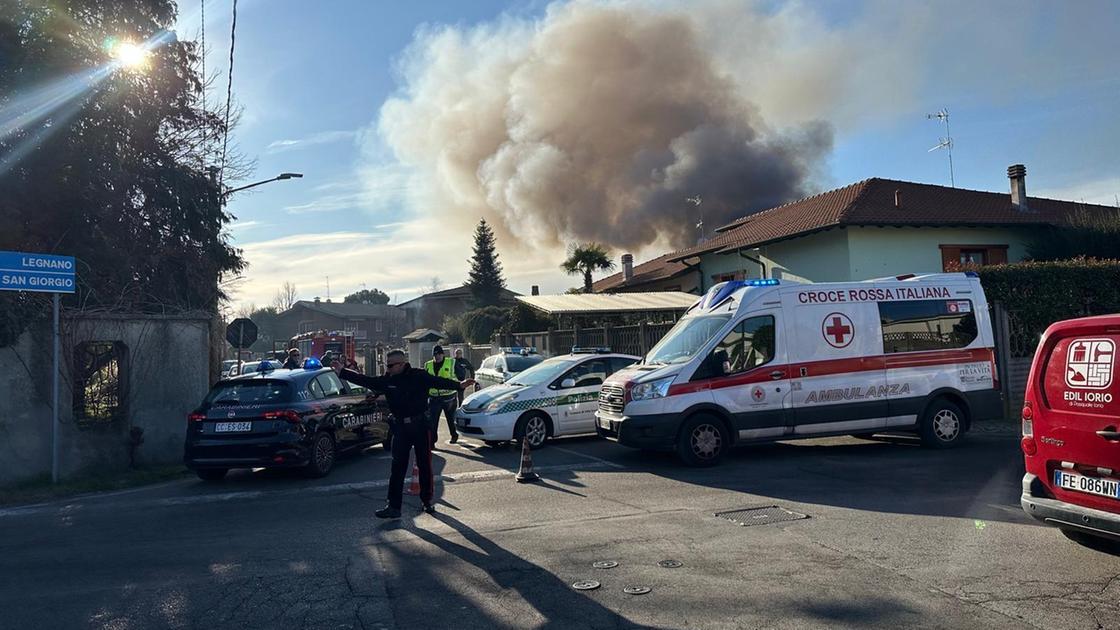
{"points": [[406, 391], [444, 401]]}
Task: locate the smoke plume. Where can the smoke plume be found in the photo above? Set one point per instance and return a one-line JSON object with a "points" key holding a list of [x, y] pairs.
{"points": [[595, 122]]}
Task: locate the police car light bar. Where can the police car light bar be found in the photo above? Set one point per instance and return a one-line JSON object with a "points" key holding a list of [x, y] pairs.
{"points": [[311, 363], [518, 349], [591, 350]]}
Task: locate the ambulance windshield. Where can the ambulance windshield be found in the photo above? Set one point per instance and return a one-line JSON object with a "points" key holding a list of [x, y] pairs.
{"points": [[686, 339]]}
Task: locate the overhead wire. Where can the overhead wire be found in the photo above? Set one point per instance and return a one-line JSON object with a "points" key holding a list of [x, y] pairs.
{"points": [[229, 96]]}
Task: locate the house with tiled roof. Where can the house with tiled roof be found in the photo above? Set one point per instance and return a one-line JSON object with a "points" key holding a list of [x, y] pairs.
{"points": [[370, 323], [658, 274], [878, 227]]}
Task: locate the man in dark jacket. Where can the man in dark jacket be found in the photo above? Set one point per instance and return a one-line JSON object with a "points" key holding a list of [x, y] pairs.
{"points": [[406, 391], [293, 362], [463, 370]]}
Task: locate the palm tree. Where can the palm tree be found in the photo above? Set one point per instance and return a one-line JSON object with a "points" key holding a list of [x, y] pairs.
{"points": [[586, 259]]}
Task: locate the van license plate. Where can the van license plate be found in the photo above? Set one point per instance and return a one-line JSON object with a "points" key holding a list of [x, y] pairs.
{"points": [[233, 427], [1088, 485]]}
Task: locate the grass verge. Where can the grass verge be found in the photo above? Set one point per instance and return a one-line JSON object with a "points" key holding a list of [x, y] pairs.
{"points": [[40, 488]]}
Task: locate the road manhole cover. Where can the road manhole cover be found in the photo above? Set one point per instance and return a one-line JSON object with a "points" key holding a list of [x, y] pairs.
{"points": [[636, 590], [605, 564], [585, 585], [670, 564], [761, 515]]}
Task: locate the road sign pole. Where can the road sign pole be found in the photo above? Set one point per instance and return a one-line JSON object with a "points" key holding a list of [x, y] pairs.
{"points": [[54, 399]]}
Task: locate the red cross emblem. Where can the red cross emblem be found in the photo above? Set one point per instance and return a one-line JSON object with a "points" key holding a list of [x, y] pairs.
{"points": [[838, 330], [758, 394]]}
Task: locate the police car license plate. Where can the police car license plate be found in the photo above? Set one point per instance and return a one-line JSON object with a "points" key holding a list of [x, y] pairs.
{"points": [[1090, 485], [233, 427]]}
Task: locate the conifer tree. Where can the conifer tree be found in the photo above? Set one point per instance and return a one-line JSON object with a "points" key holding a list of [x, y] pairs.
{"points": [[486, 282]]}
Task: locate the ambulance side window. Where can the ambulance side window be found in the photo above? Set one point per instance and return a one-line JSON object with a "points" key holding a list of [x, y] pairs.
{"points": [[917, 325], [748, 345]]}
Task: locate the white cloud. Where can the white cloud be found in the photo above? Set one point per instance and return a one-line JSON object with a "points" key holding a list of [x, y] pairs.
{"points": [[323, 137]]}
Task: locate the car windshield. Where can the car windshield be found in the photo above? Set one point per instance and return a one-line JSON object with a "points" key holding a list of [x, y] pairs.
{"points": [[249, 392], [517, 363], [544, 372], [685, 339]]}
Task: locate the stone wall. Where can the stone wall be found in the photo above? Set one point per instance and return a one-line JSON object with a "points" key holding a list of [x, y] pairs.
{"points": [[164, 373]]}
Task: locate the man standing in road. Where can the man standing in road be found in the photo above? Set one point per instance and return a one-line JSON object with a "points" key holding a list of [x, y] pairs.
{"points": [[463, 370], [406, 391], [444, 401]]}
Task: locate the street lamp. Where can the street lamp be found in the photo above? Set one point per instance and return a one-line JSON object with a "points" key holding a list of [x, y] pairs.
{"points": [[274, 179]]}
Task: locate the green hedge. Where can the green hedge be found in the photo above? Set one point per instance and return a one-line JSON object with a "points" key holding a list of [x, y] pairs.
{"points": [[1038, 294]]}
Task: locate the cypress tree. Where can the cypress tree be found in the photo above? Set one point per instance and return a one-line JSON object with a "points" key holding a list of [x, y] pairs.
{"points": [[486, 282]]}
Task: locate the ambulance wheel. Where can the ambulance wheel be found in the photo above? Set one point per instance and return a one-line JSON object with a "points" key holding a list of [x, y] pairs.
{"points": [[703, 441], [533, 428], [942, 425]]}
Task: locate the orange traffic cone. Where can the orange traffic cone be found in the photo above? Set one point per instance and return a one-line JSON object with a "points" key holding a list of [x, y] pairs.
{"points": [[526, 474], [414, 485]]}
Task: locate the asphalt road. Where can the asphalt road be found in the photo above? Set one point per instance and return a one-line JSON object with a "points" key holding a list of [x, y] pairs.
{"points": [[895, 536]]}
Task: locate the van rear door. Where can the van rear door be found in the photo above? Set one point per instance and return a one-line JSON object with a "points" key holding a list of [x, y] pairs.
{"points": [[1081, 395]]}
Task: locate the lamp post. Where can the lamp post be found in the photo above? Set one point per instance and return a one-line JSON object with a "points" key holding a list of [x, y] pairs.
{"points": [[274, 179]]}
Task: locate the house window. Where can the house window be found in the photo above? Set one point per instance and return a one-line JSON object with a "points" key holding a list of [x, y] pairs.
{"points": [[953, 257], [99, 382], [306, 327], [351, 326], [377, 325], [725, 277]]}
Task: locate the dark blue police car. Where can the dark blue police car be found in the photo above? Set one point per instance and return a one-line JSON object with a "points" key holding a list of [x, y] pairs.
{"points": [[277, 418]]}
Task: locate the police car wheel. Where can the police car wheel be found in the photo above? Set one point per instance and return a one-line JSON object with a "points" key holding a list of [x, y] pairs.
{"points": [[322, 455], [211, 474], [703, 441], [942, 425], [534, 429]]}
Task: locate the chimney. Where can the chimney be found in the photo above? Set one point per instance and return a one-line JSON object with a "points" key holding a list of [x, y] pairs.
{"points": [[534, 290], [1017, 173], [316, 299], [627, 267]]}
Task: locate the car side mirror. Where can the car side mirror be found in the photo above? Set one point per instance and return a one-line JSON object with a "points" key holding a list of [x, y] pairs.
{"points": [[568, 383]]}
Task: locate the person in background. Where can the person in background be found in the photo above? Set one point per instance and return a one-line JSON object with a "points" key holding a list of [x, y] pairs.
{"points": [[463, 370], [292, 362], [406, 392], [441, 400], [328, 359]]}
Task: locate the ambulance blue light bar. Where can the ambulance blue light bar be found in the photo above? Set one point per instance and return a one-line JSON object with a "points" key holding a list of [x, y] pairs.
{"points": [[763, 282]]}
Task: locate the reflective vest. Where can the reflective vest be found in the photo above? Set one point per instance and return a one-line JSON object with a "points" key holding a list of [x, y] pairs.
{"points": [[446, 370]]}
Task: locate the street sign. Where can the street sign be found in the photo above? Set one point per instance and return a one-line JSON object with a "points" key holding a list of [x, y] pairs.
{"points": [[241, 333], [43, 273]]}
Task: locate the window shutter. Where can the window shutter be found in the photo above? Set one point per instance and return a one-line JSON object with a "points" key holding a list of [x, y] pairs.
{"points": [[997, 256], [950, 257]]}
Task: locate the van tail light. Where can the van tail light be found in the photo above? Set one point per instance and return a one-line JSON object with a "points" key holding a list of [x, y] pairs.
{"points": [[1028, 419], [284, 414], [195, 417], [1028, 445]]}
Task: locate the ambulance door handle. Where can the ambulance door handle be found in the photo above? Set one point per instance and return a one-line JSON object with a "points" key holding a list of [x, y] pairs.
{"points": [[777, 374], [804, 371]]}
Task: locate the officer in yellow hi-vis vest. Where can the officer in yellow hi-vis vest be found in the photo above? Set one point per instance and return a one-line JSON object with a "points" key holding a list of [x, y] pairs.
{"points": [[444, 401]]}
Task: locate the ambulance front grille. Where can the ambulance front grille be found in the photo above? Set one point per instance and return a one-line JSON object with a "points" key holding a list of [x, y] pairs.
{"points": [[611, 399]]}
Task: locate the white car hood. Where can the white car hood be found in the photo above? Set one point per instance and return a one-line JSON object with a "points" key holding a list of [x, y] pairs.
{"points": [[480, 399]]}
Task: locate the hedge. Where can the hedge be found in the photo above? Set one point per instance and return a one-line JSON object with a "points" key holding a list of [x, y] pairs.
{"points": [[1038, 294]]}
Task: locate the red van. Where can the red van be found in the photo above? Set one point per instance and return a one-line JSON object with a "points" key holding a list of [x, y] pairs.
{"points": [[1071, 431]]}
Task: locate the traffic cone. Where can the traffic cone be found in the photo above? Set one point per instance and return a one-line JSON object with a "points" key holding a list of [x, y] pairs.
{"points": [[414, 485], [526, 474]]}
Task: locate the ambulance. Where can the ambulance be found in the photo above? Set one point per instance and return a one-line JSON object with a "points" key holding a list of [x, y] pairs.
{"points": [[769, 359]]}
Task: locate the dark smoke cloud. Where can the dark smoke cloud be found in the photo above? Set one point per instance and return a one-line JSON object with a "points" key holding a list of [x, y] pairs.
{"points": [[595, 123]]}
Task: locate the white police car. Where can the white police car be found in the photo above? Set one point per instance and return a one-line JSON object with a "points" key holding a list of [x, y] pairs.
{"points": [[501, 367], [558, 396]]}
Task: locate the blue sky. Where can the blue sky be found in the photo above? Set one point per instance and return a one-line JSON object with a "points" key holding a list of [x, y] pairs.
{"points": [[412, 120]]}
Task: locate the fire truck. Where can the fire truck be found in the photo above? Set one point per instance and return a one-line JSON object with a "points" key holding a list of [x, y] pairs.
{"points": [[314, 344]]}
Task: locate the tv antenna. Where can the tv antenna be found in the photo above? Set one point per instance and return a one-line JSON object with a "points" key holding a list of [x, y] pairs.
{"points": [[700, 223], [946, 142]]}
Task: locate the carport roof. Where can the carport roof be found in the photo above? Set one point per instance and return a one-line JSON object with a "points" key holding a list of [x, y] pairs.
{"points": [[601, 303]]}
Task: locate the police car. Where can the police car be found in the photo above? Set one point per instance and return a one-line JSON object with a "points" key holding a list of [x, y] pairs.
{"points": [[558, 396], [499, 368], [772, 359], [276, 418]]}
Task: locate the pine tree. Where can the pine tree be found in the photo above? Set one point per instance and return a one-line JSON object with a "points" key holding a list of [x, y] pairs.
{"points": [[486, 282]]}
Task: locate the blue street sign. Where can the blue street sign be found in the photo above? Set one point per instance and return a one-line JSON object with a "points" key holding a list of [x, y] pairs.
{"points": [[45, 273]]}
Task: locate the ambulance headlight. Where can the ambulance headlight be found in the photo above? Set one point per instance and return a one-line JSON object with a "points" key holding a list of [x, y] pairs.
{"points": [[652, 389]]}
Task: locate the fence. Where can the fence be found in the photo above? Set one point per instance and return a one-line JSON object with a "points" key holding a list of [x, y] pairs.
{"points": [[633, 339]]}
